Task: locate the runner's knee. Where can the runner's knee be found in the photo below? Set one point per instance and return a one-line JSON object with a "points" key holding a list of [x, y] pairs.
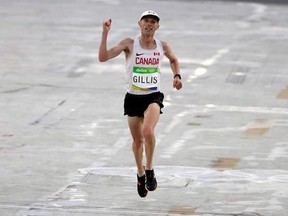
{"points": [[137, 142], [148, 133]]}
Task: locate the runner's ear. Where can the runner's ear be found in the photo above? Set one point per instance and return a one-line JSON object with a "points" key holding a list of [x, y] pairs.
{"points": [[158, 26]]}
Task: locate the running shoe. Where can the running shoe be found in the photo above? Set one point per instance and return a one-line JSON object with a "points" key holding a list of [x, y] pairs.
{"points": [[142, 191], [151, 183]]}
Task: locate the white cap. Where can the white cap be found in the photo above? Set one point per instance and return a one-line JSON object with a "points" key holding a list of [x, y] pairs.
{"points": [[150, 13]]}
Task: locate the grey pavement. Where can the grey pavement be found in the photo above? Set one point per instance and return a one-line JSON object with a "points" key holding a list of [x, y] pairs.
{"points": [[222, 143]]}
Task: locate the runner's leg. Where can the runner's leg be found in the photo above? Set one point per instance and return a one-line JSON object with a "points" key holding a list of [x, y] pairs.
{"points": [[135, 125], [151, 117]]}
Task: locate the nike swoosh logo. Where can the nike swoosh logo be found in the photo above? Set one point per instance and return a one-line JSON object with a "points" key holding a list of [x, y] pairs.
{"points": [[139, 54]]}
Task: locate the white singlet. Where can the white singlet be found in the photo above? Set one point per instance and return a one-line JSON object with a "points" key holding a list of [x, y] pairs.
{"points": [[143, 69]]}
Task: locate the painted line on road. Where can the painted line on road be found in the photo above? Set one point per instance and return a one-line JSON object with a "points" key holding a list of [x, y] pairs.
{"points": [[185, 177], [197, 174], [191, 134], [280, 150], [72, 195], [80, 210], [200, 71], [263, 110], [258, 12], [212, 60]]}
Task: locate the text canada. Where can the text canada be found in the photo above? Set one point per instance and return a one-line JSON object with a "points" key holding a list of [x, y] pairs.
{"points": [[147, 61]]}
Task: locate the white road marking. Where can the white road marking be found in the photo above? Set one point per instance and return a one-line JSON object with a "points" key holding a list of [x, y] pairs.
{"points": [[267, 110], [169, 151], [200, 71], [197, 174], [191, 134], [212, 60], [258, 13]]}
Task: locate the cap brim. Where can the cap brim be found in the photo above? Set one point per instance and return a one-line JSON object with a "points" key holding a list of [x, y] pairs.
{"points": [[151, 16]]}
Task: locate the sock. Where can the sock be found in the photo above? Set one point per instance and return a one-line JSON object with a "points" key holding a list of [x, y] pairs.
{"points": [[140, 174]]}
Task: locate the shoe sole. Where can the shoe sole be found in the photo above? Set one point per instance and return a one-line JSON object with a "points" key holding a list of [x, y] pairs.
{"points": [[151, 190], [144, 196]]}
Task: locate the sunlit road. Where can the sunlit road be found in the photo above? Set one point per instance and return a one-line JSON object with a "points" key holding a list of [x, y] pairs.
{"points": [[222, 143]]}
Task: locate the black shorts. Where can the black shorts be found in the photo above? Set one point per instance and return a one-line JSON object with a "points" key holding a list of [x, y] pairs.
{"points": [[135, 105]]}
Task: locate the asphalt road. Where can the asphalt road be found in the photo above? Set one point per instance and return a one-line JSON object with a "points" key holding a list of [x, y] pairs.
{"points": [[222, 147]]}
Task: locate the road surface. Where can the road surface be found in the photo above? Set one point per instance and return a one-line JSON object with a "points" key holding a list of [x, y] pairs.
{"points": [[65, 149]]}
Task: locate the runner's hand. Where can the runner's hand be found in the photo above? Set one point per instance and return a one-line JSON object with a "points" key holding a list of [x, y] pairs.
{"points": [[177, 83], [107, 25]]}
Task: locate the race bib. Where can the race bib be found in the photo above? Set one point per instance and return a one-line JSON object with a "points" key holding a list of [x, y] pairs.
{"points": [[145, 78]]}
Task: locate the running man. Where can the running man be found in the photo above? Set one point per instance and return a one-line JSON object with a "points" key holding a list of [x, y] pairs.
{"points": [[143, 101]]}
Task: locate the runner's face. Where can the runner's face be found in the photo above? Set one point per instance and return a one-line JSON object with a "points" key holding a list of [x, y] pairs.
{"points": [[148, 25]]}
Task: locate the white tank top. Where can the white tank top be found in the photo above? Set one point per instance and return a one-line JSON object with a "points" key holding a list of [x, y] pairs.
{"points": [[143, 69]]}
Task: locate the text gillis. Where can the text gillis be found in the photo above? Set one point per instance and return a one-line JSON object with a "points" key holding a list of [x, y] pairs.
{"points": [[145, 79]]}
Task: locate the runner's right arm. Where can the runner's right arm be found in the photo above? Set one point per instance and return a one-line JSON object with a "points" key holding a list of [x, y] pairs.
{"points": [[105, 54]]}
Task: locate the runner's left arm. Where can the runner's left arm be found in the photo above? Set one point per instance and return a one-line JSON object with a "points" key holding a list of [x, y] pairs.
{"points": [[174, 64]]}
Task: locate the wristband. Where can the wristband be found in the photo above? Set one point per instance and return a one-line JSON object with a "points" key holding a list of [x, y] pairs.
{"points": [[177, 75]]}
